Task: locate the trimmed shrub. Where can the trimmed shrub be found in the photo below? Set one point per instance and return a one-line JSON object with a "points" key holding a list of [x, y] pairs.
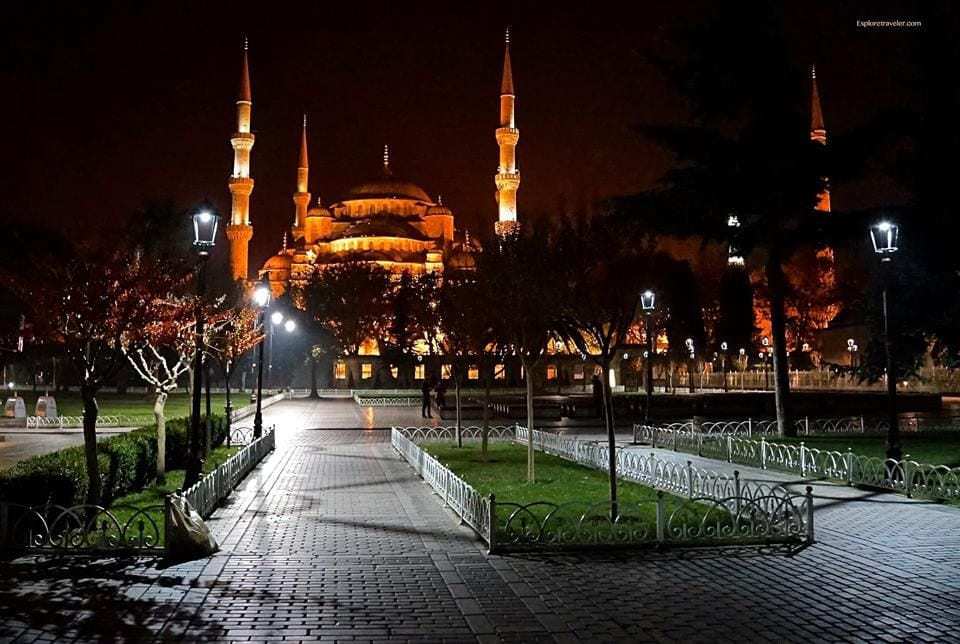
{"points": [[127, 464]]}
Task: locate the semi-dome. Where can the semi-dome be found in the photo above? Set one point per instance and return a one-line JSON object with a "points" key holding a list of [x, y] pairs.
{"points": [[381, 227], [279, 262], [386, 188]]}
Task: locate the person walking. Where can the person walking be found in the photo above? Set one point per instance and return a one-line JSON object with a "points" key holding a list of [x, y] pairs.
{"points": [[425, 399], [441, 395], [597, 395]]}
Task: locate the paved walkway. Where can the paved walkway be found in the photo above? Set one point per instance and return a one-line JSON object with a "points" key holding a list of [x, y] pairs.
{"points": [[334, 538]]}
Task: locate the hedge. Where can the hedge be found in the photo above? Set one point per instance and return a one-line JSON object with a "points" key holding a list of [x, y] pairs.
{"points": [[127, 464]]}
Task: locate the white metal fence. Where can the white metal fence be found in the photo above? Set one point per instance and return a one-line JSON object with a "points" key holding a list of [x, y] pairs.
{"points": [[903, 476], [719, 510], [104, 420], [206, 493]]}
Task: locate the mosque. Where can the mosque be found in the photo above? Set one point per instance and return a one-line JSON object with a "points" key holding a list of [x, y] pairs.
{"points": [[385, 219]]}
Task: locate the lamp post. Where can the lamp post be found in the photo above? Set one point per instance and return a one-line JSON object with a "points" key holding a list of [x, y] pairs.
{"points": [[261, 297], [885, 236], [648, 303], [723, 365], [205, 222], [275, 318], [764, 354]]}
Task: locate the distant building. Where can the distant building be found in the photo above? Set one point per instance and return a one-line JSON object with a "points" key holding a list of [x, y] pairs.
{"points": [[385, 220]]}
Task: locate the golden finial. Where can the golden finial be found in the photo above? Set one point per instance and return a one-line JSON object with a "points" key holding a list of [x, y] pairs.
{"points": [[507, 36], [246, 44], [304, 119], [813, 72], [386, 158], [439, 200]]}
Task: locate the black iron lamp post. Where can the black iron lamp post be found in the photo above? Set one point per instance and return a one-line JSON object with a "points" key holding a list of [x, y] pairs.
{"points": [[205, 223], [764, 355], [885, 236], [261, 297], [648, 302], [723, 364]]}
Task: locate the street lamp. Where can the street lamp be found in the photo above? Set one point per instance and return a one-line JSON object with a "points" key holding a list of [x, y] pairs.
{"points": [[205, 221], [261, 297], [723, 364], [851, 349], [765, 341], [648, 302], [885, 236]]}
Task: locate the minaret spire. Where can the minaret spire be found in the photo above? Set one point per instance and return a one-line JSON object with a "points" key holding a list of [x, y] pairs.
{"points": [[818, 132], [301, 198], [239, 231], [508, 175]]}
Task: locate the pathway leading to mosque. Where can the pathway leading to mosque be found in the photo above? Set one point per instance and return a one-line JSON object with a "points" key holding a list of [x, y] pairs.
{"points": [[334, 538]]}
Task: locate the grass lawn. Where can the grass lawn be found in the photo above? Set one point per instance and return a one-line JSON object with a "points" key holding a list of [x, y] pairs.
{"points": [[936, 448], [178, 405], [582, 494], [153, 495]]}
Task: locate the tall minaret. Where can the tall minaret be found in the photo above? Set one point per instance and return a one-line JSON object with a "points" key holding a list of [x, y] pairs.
{"points": [[239, 231], [818, 132], [301, 198], [508, 176]]}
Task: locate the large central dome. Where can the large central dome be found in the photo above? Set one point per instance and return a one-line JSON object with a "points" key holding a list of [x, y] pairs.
{"points": [[388, 187]]}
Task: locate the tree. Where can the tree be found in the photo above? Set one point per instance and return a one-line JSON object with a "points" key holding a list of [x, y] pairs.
{"points": [[349, 301], [160, 353], [87, 304], [601, 274], [522, 277], [745, 151], [238, 331]]}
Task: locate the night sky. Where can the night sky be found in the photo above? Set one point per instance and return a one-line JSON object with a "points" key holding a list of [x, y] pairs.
{"points": [[107, 107]]}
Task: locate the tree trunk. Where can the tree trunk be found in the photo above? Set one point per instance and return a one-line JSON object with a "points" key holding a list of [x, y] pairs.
{"points": [[90, 411], [531, 473], [158, 407], [486, 417], [778, 322], [227, 408], [313, 378], [608, 420], [456, 391], [207, 425]]}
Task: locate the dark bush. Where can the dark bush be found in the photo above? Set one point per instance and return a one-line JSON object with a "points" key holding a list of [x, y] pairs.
{"points": [[127, 464]]}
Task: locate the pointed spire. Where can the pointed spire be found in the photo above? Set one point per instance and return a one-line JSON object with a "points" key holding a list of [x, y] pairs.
{"points": [[817, 130], [439, 200], [284, 241], [304, 161], [245, 94], [506, 85], [386, 160]]}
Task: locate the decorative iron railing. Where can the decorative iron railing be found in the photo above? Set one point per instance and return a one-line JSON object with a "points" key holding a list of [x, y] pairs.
{"points": [[69, 422], [903, 476], [718, 510], [251, 409], [80, 528], [207, 493], [386, 401]]}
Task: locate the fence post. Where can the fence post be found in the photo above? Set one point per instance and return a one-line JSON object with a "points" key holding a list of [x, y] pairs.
{"points": [[849, 459], [749, 428], [803, 459], [446, 486], [908, 475], [809, 514], [690, 479], [676, 438], [492, 524], [661, 517], [729, 449], [763, 452], [862, 428], [700, 444], [736, 489], [806, 425]]}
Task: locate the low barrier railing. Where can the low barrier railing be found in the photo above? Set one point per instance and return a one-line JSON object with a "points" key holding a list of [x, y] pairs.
{"points": [[206, 493], [251, 409], [904, 476], [107, 420], [807, 426], [386, 401], [730, 513]]}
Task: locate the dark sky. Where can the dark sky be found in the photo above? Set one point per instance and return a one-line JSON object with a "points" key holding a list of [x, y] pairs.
{"points": [[106, 107]]}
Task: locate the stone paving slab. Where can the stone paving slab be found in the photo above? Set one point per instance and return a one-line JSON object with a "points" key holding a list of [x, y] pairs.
{"points": [[334, 538]]}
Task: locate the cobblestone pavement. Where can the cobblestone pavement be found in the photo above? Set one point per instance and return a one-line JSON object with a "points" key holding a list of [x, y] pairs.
{"points": [[335, 538]]}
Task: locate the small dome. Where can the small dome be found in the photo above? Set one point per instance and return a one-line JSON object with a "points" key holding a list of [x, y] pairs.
{"points": [[318, 211], [279, 262], [388, 187], [462, 260], [439, 209]]}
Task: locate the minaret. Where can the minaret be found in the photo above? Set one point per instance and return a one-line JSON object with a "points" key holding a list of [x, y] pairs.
{"points": [[508, 176], [301, 198], [818, 132], [239, 231]]}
